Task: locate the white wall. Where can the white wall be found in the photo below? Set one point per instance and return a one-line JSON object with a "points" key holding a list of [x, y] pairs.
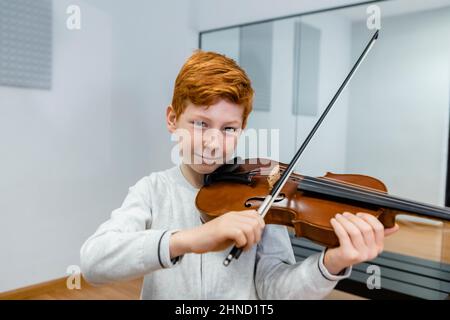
{"points": [[399, 106], [152, 41], [56, 146], [207, 14], [326, 151], [70, 154]]}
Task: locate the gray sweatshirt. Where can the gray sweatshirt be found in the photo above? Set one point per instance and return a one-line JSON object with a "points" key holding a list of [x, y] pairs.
{"points": [[134, 243]]}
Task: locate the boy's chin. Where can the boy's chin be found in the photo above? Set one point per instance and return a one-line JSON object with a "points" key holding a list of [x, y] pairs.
{"points": [[204, 168]]}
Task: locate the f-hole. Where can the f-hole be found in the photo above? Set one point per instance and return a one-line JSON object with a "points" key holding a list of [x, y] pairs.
{"points": [[280, 197]]}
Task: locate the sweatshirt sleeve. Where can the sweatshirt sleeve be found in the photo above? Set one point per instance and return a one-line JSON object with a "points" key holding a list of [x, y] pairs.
{"points": [[125, 247], [278, 276]]}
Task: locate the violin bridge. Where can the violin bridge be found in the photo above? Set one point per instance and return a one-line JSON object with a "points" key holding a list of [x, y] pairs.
{"points": [[273, 176]]}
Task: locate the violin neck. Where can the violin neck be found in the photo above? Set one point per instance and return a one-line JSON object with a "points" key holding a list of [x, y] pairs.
{"points": [[345, 192]]}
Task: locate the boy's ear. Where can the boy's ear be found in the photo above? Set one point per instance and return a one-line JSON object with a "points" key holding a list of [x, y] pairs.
{"points": [[171, 119]]}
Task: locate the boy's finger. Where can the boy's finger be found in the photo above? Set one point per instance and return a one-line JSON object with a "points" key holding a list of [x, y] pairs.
{"points": [[389, 231], [344, 240], [354, 233], [364, 227], [252, 214], [239, 238], [376, 225], [249, 221], [248, 213]]}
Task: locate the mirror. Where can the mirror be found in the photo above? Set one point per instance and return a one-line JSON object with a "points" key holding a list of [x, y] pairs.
{"points": [[392, 121]]}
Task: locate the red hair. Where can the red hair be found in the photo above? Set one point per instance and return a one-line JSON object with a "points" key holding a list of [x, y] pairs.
{"points": [[207, 77]]}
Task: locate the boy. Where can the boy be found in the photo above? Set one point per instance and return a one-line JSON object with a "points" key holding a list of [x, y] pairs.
{"points": [[157, 232]]}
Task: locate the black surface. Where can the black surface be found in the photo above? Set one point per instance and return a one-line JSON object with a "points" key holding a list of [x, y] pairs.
{"points": [[402, 276]]}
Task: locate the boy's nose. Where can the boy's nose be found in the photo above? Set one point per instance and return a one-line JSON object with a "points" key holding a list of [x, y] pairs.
{"points": [[212, 139], [212, 143]]}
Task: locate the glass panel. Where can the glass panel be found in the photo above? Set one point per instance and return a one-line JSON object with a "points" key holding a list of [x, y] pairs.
{"points": [[392, 121]]}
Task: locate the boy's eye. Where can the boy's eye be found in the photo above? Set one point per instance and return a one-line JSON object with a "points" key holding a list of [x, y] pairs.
{"points": [[199, 124], [230, 129]]}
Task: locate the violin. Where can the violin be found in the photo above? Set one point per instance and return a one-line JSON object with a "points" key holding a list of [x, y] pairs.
{"points": [[304, 203]]}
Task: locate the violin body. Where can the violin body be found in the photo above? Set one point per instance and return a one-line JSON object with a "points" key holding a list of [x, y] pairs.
{"points": [[244, 186]]}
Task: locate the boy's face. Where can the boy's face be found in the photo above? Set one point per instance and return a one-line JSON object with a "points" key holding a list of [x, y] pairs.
{"points": [[207, 135]]}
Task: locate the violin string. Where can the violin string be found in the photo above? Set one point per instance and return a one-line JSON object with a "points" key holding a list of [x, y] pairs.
{"points": [[347, 186], [379, 196], [369, 192], [350, 184], [376, 194]]}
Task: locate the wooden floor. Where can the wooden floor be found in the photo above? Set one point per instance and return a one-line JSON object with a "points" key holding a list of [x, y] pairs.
{"points": [[430, 242], [422, 240], [57, 290], [129, 290], [119, 291]]}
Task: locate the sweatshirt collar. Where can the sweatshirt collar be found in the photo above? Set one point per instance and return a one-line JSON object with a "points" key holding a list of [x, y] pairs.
{"points": [[181, 180]]}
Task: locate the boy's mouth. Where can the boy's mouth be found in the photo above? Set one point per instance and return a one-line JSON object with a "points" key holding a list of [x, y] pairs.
{"points": [[208, 158]]}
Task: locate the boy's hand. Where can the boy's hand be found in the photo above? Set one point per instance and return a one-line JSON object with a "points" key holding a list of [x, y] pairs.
{"points": [[361, 238], [244, 228]]}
